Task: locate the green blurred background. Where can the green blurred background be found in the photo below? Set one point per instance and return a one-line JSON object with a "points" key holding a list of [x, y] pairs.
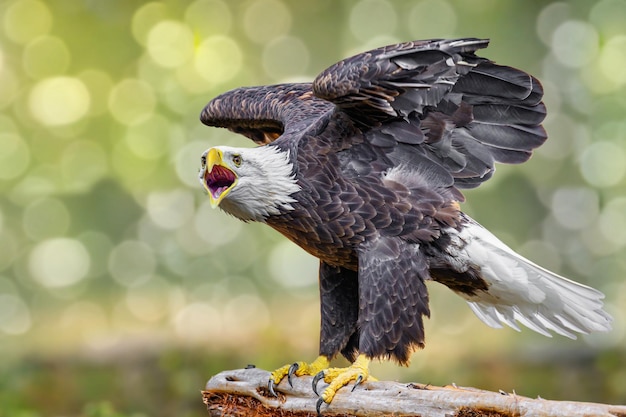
{"points": [[122, 292]]}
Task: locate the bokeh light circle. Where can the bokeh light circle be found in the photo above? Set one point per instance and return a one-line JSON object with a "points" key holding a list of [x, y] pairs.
{"points": [[59, 262], [46, 56], [550, 18], [213, 228], [286, 258], [209, 17], [264, 20], [24, 20], [420, 22], [608, 16], [613, 60], [575, 207], [245, 313], [575, 43], [58, 101], [170, 43], [145, 18], [198, 322], [132, 101], [132, 263], [171, 209], [149, 139], [603, 164], [371, 18], [284, 57], [218, 59]]}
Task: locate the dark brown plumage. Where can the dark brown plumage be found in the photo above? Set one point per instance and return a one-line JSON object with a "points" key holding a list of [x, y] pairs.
{"points": [[377, 148]]}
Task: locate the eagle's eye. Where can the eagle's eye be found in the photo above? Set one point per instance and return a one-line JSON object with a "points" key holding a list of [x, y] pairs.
{"points": [[237, 160], [203, 160]]}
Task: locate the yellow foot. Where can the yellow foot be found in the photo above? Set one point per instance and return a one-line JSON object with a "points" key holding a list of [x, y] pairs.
{"points": [[297, 369], [340, 377]]}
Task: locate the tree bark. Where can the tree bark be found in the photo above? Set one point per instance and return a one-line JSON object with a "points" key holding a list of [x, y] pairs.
{"points": [[243, 392]]}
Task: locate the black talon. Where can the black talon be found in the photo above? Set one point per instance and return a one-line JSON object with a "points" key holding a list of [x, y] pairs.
{"points": [[358, 382], [270, 387], [316, 380], [318, 407], [292, 370]]}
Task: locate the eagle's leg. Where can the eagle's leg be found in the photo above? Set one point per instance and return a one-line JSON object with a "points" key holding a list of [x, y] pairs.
{"points": [[393, 299], [297, 369], [339, 312]]}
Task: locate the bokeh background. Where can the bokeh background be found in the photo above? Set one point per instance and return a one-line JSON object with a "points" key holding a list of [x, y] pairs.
{"points": [[122, 292]]}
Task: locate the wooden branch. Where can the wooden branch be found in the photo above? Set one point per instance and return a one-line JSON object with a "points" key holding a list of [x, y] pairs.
{"points": [[243, 392]]}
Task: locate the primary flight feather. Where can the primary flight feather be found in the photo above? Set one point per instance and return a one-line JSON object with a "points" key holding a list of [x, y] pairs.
{"points": [[363, 169]]}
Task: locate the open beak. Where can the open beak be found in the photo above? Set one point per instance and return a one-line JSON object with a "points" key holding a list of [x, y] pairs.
{"points": [[216, 177]]}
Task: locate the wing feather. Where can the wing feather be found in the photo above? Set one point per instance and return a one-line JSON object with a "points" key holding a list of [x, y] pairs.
{"points": [[264, 113], [464, 112]]}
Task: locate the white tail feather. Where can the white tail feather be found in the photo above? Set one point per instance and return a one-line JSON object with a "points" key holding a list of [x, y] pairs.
{"points": [[522, 291]]}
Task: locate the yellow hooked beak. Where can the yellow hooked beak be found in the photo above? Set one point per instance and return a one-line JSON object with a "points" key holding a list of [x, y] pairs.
{"points": [[217, 178]]}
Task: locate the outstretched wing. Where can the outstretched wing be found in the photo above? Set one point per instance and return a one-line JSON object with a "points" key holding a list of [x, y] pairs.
{"points": [[437, 107], [264, 113]]}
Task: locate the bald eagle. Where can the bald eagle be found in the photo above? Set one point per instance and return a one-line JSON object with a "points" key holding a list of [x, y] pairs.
{"points": [[363, 169]]}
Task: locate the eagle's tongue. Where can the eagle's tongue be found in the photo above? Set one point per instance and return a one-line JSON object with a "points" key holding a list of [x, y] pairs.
{"points": [[218, 180]]}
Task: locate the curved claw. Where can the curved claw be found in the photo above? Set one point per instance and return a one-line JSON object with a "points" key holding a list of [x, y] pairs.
{"points": [[358, 382], [292, 370], [316, 380], [270, 387], [318, 407]]}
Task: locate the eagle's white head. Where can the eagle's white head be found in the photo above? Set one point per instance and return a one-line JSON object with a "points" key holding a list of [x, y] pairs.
{"points": [[249, 183]]}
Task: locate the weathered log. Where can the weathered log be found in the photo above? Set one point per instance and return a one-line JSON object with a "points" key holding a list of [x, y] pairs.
{"points": [[243, 392]]}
